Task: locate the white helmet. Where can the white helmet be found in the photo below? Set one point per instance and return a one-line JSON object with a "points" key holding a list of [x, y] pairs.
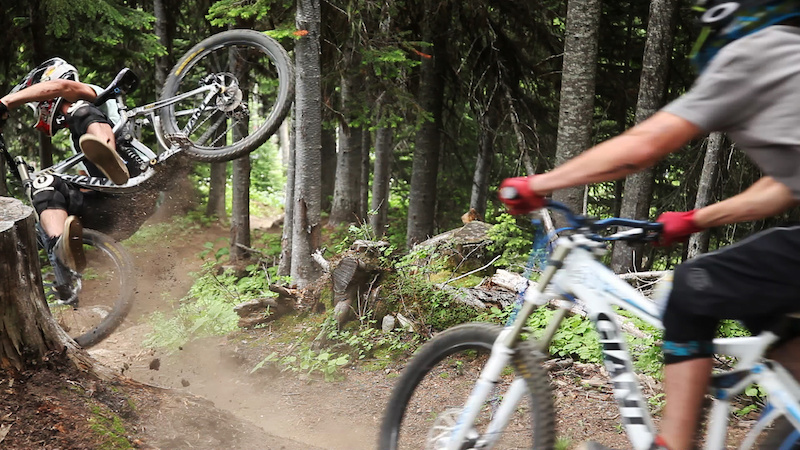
{"points": [[50, 117]]}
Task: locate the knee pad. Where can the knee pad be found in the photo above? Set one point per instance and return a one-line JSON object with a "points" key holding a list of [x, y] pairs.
{"points": [[51, 192], [82, 114]]}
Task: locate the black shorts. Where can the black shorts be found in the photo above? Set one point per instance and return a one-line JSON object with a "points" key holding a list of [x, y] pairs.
{"points": [[756, 281]]}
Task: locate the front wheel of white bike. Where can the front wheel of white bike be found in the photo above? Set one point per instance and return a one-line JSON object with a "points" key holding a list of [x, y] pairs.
{"points": [[782, 436], [428, 397]]}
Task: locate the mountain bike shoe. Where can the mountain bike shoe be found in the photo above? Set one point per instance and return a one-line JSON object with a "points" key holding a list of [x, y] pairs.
{"points": [[69, 246], [105, 158]]}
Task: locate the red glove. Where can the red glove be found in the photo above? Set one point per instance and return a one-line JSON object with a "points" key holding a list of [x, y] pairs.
{"points": [[518, 196], [677, 226]]}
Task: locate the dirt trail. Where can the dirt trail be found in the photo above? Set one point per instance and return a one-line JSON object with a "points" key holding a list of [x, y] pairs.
{"points": [[282, 412], [285, 412]]}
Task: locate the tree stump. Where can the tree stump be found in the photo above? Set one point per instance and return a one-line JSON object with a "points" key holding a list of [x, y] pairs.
{"points": [[354, 280], [27, 329]]}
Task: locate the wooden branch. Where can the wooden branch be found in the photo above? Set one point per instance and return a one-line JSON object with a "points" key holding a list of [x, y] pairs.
{"points": [[472, 271], [644, 275]]}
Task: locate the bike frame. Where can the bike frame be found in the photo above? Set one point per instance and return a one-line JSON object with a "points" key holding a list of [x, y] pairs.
{"points": [[575, 275], [125, 132]]}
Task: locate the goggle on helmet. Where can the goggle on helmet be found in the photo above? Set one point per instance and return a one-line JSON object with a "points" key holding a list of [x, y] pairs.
{"points": [[50, 117], [723, 22]]}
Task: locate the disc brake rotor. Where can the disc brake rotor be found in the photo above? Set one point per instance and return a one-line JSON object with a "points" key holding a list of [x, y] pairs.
{"points": [[230, 96]]}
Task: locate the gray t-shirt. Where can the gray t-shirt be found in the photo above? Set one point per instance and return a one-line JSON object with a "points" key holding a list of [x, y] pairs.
{"points": [[751, 90]]}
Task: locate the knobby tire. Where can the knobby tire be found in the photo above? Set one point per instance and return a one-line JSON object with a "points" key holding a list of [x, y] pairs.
{"points": [[250, 40], [118, 306], [466, 339]]}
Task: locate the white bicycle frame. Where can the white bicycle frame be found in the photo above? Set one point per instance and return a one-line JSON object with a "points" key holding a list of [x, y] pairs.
{"points": [[124, 129], [574, 274]]}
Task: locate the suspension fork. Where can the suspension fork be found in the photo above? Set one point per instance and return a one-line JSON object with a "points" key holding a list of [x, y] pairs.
{"points": [[64, 278], [502, 351]]}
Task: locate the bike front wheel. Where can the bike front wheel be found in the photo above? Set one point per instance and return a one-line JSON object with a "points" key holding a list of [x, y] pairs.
{"points": [[428, 398], [100, 296], [782, 435], [243, 86]]}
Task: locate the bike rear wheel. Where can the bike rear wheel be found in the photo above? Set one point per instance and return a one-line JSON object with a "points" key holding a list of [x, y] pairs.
{"points": [[258, 89], [104, 291], [428, 397]]}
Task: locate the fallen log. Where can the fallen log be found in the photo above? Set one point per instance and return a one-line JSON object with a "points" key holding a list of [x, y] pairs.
{"points": [[264, 310]]}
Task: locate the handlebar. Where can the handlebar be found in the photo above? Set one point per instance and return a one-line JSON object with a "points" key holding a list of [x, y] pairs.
{"points": [[639, 230]]}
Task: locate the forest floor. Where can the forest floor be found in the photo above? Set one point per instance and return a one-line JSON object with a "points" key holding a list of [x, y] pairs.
{"points": [[204, 396]]}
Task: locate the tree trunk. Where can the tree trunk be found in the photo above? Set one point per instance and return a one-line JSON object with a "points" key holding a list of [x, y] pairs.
{"points": [[524, 155], [45, 151], [380, 180], [577, 90], [652, 86], [328, 168], [483, 165], [160, 30], [240, 186], [347, 190], [217, 187], [3, 171], [698, 242], [27, 330], [285, 264], [308, 101], [425, 165], [284, 141], [366, 147], [240, 209], [218, 179]]}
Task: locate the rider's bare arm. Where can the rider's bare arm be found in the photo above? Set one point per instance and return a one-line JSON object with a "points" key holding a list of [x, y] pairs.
{"points": [[72, 91], [766, 197], [636, 149]]}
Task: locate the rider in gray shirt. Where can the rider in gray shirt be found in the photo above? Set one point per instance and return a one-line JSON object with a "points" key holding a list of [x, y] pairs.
{"points": [[751, 90], [749, 87]]}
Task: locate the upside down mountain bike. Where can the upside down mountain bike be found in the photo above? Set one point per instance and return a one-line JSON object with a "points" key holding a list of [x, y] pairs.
{"points": [[223, 99]]}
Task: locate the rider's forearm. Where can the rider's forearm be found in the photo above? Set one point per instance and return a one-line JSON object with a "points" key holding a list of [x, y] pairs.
{"points": [[765, 198], [72, 91], [635, 150]]}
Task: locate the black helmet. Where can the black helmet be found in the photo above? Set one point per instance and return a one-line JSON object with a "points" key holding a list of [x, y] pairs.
{"points": [[723, 22], [50, 117]]}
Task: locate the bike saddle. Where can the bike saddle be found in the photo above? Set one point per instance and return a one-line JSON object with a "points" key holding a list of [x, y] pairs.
{"points": [[124, 83]]}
